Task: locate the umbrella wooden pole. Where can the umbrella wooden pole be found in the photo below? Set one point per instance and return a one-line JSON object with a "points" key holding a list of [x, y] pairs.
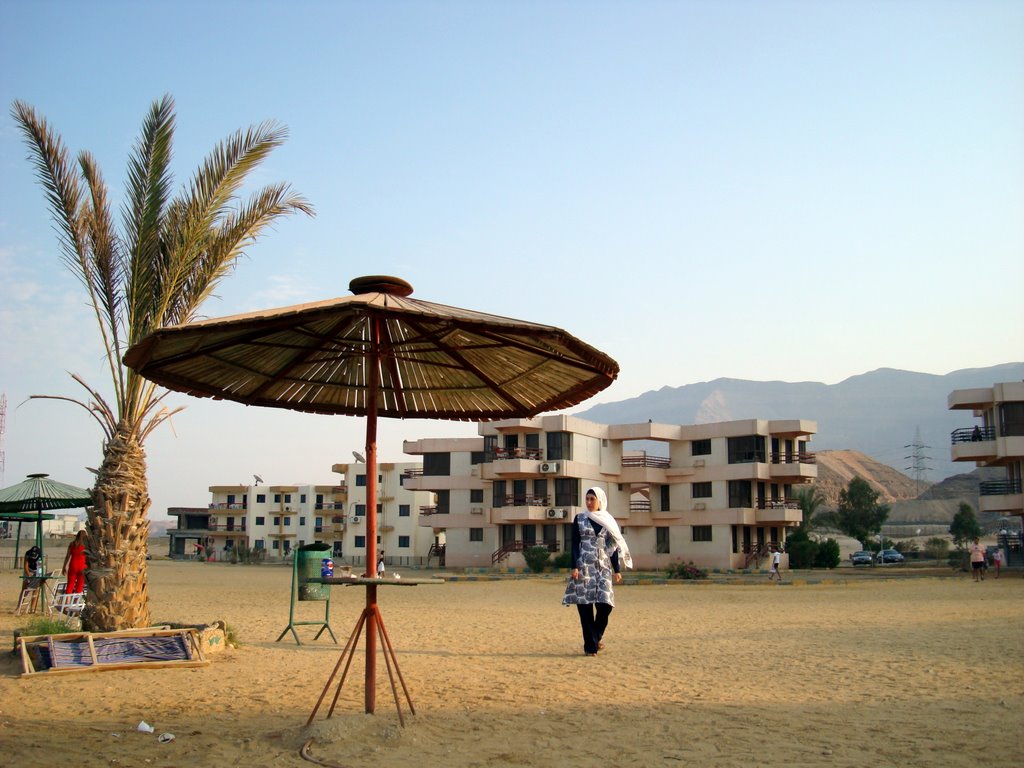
{"points": [[371, 613]]}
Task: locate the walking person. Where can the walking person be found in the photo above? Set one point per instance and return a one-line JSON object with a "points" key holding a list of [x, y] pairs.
{"points": [[380, 566], [997, 560], [74, 565], [978, 561], [598, 552], [776, 562]]}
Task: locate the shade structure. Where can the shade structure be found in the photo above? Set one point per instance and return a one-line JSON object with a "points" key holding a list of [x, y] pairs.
{"points": [[37, 493], [377, 353]]}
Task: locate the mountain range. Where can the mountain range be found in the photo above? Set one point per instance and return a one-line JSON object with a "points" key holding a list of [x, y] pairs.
{"points": [[883, 414]]}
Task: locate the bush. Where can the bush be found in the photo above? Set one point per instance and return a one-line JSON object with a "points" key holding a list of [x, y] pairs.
{"points": [[937, 548], [44, 625], [562, 560], [959, 560], [688, 571], [907, 547], [803, 553], [827, 555], [537, 558]]}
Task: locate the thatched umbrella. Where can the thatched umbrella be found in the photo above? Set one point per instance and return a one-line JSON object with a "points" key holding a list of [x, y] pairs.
{"points": [[377, 353], [37, 493]]}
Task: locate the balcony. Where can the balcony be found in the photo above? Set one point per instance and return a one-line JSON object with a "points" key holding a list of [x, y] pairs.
{"points": [[778, 511], [529, 500], [1006, 496], [501, 454], [643, 460], [803, 457], [999, 487], [328, 505], [973, 444], [219, 505]]}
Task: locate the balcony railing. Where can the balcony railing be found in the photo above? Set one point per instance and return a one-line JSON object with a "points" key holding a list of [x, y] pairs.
{"points": [[640, 505], [973, 435], [529, 500], [225, 527], [412, 472], [225, 505], [655, 462], [499, 454], [329, 505], [803, 457], [778, 504], [999, 487]]}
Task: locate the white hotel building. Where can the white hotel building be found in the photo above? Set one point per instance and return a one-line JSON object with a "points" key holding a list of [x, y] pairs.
{"points": [[721, 497]]}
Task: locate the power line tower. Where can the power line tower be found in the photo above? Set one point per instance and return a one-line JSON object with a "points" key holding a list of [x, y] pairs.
{"points": [[3, 429], [918, 460]]}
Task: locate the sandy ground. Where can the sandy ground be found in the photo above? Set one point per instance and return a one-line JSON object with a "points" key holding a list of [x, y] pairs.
{"points": [[924, 671]]}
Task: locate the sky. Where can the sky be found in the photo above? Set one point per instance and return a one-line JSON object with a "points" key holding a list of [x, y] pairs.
{"points": [[793, 191]]}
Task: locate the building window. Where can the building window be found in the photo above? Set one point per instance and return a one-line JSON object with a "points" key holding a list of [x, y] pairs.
{"points": [[360, 542], [403, 510], [444, 499], [700, 447], [665, 503], [661, 540], [476, 534], [476, 496], [287, 521], [701, 532], [477, 457], [231, 498], [747, 449], [360, 510], [277, 498], [437, 464], [360, 481], [275, 544], [319, 498], [318, 524], [559, 446], [740, 494], [498, 493], [302, 522], [259, 520], [302, 499], [287, 498], [701, 490], [277, 521], [259, 544], [403, 542], [567, 491], [261, 498], [1011, 419]]}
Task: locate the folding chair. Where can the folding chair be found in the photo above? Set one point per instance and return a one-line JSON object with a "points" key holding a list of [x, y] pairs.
{"points": [[29, 600]]}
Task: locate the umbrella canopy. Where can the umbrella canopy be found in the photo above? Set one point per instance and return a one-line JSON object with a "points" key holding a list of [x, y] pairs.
{"points": [[377, 353], [36, 493], [431, 361]]}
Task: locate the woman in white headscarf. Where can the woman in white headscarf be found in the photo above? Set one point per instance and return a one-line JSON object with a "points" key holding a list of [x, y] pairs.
{"points": [[598, 552]]}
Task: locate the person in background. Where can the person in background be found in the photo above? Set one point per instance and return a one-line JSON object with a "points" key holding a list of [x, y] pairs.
{"points": [[74, 565], [598, 549], [776, 562], [997, 560], [380, 565], [33, 560], [977, 561]]}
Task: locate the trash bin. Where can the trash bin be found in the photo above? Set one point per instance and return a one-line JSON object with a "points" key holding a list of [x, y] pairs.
{"points": [[309, 559]]}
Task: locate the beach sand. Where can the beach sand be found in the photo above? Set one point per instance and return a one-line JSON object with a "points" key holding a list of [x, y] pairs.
{"points": [[894, 672]]}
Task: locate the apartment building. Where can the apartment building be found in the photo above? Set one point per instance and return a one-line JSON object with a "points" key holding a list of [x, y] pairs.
{"points": [[719, 495], [996, 439], [278, 518]]}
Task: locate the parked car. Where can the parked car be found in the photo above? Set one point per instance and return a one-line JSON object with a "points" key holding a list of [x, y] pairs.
{"points": [[862, 558], [890, 556]]}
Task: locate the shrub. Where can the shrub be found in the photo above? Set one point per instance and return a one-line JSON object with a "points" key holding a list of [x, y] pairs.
{"points": [[537, 558], [562, 560], [45, 625], [689, 571], [959, 560], [827, 555], [937, 548], [803, 553]]}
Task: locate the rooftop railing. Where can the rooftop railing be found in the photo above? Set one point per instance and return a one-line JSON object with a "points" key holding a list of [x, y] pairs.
{"points": [[654, 462]]}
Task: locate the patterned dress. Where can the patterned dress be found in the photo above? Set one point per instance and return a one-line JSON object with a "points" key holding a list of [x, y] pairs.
{"points": [[596, 571]]}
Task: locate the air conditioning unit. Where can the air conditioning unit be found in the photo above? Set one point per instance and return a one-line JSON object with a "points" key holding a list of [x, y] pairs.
{"points": [[287, 509], [547, 467], [699, 505], [556, 514], [474, 471], [476, 510], [698, 462], [354, 519]]}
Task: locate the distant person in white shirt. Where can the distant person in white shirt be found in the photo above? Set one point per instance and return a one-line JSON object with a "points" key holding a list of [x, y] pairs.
{"points": [[776, 561]]}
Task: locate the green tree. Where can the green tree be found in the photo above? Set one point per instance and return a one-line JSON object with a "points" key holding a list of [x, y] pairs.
{"points": [[936, 548], [537, 558], [858, 514], [810, 499], [802, 551], [964, 528], [166, 259]]}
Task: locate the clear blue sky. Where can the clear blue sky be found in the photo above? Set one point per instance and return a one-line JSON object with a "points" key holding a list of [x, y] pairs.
{"points": [[760, 190]]}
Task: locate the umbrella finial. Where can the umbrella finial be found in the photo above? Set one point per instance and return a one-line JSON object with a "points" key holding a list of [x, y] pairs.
{"points": [[393, 286]]}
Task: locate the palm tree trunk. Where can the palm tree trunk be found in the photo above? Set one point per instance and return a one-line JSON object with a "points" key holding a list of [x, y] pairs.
{"points": [[117, 577]]}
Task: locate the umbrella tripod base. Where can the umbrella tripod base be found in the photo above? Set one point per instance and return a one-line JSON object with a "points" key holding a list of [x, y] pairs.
{"points": [[370, 616]]}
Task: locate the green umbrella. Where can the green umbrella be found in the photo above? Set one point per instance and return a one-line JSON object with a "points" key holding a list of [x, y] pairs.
{"points": [[35, 494]]}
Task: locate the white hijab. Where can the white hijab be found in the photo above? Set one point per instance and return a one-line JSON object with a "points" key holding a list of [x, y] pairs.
{"points": [[602, 517]]}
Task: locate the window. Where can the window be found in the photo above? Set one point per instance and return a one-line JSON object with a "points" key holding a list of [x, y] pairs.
{"points": [[260, 520], [302, 499], [261, 498], [277, 521], [701, 532], [567, 491], [559, 446], [302, 521], [1011, 419], [665, 503], [701, 490], [477, 457], [747, 449], [403, 510], [275, 544], [360, 542], [318, 523], [661, 540], [476, 534], [277, 498], [476, 496], [403, 542], [360, 510], [231, 498], [287, 498], [360, 481], [740, 494], [260, 544], [498, 493], [700, 447], [443, 502], [287, 521], [319, 498], [437, 464]]}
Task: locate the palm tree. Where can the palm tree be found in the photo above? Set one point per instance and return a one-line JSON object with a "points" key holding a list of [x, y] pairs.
{"points": [[809, 500], [168, 257]]}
